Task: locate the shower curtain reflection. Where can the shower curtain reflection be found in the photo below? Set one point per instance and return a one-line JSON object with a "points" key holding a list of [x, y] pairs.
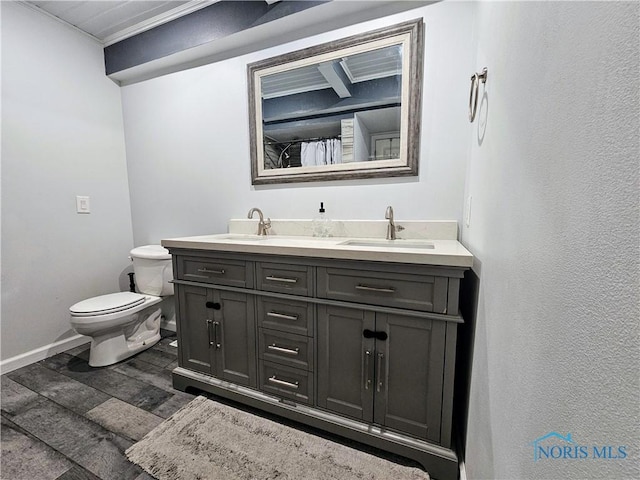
{"points": [[322, 152], [298, 153]]}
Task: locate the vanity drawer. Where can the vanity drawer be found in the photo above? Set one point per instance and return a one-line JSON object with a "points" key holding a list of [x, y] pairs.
{"points": [[220, 271], [286, 382], [285, 278], [286, 348], [401, 290], [285, 315]]}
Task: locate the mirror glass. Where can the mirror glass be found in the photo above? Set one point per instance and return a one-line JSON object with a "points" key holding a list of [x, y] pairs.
{"points": [[346, 109]]}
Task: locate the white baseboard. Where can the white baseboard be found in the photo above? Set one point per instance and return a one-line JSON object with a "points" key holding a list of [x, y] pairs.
{"points": [[463, 470], [168, 325], [24, 359]]}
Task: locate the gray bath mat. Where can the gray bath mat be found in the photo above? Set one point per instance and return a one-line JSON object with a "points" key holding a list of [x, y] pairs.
{"points": [[208, 440]]}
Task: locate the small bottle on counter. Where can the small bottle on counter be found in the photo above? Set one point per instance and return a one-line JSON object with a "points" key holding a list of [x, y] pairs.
{"points": [[321, 226]]}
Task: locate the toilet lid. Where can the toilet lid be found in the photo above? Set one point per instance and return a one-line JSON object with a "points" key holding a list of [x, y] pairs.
{"points": [[151, 252], [104, 304]]}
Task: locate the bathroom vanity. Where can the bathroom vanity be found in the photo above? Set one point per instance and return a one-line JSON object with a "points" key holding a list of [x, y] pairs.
{"points": [[354, 336]]}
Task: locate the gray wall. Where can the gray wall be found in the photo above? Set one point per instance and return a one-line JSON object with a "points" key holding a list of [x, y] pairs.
{"points": [[62, 136], [554, 227], [187, 137]]}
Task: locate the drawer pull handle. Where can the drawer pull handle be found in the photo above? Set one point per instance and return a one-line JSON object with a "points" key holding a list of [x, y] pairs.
{"points": [[282, 315], [215, 272], [375, 289], [277, 381], [290, 351], [281, 279]]}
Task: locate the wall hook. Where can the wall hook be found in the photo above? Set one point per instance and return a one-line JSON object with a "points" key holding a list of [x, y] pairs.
{"points": [[473, 94]]}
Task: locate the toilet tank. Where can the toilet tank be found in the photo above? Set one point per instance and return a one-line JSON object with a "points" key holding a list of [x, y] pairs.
{"points": [[153, 270]]}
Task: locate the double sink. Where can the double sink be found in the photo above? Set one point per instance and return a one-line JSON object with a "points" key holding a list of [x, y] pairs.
{"points": [[301, 241]]}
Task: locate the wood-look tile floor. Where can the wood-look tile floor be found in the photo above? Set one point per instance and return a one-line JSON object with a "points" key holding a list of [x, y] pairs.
{"points": [[62, 419]]}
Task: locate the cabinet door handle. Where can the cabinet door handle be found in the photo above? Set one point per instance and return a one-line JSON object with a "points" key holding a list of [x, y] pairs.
{"points": [[209, 330], [277, 381], [215, 272], [290, 351], [282, 315], [367, 380], [215, 334], [379, 382], [281, 279], [376, 289]]}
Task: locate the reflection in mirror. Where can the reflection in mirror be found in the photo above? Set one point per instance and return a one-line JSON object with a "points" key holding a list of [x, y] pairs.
{"points": [[309, 113], [341, 110]]}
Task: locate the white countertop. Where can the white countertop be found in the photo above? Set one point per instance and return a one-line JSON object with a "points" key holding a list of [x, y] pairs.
{"points": [[416, 251]]}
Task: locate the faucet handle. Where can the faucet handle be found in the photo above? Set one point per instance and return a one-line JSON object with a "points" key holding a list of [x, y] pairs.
{"points": [[263, 226]]}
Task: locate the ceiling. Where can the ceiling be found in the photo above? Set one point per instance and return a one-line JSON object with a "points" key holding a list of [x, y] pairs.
{"points": [[112, 21], [359, 67], [109, 22]]}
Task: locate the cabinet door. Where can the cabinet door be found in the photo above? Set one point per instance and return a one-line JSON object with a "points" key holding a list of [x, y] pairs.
{"points": [[194, 326], [345, 361], [409, 372], [234, 331]]}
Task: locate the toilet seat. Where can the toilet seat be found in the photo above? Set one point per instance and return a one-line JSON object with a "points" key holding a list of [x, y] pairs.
{"points": [[87, 323], [106, 304]]}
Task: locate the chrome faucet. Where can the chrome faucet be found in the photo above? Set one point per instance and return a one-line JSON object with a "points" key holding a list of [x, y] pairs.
{"points": [[263, 225], [392, 228]]}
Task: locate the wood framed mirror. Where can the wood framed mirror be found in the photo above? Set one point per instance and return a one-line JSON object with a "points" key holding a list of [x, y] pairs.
{"points": [[340, 110]]}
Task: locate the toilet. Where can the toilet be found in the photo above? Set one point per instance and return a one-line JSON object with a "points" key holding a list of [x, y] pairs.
{"points": [[125, 323]]}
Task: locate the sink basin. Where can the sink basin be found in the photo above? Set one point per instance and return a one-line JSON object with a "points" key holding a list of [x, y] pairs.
{"points": [[240, 237], [422, 244]]}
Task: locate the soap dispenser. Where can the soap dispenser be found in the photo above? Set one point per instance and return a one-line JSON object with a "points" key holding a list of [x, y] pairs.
{"points": [[321, 224]]}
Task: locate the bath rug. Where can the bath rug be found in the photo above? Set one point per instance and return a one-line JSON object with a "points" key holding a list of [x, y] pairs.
{"points": [[208, 440]]}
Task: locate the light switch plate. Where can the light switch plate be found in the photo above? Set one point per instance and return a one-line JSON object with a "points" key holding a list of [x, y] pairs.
{"points": [[82, 204]]}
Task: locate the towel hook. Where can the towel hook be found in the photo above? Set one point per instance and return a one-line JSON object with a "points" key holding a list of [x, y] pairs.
{"points": [[473, 94]]}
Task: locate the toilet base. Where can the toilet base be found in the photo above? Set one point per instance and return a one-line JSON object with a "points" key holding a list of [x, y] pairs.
{"points": [[121, 343]]}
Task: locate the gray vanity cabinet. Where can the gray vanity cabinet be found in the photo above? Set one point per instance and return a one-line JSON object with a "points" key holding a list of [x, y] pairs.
{"points": [[217, 333], [363, 349], [381, 368]]}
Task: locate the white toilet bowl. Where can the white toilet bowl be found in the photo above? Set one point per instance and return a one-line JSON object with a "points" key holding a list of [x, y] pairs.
{"points": [[125, 323]]}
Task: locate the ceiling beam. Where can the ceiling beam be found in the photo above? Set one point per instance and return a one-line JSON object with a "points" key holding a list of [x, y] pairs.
{"points": [[333, 73]]}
